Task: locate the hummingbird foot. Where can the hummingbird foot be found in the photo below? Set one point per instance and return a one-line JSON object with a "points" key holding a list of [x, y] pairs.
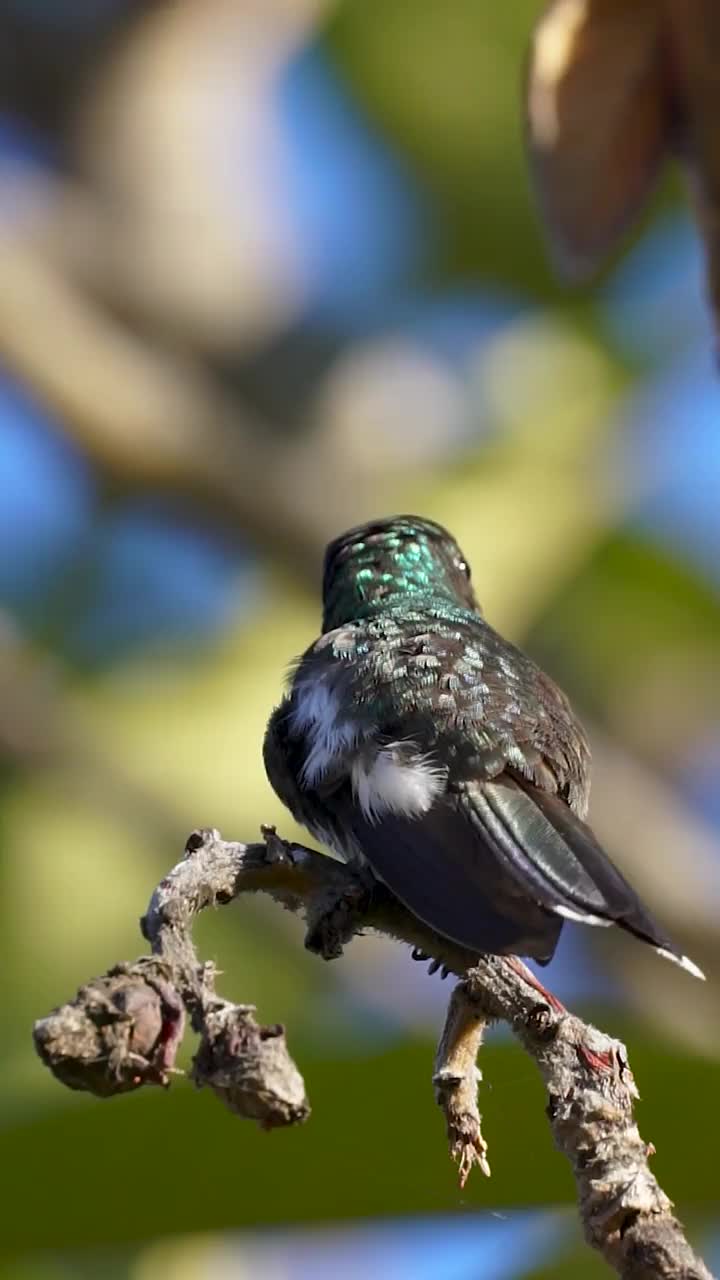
{"points": [[418, 954], [335, 920]]}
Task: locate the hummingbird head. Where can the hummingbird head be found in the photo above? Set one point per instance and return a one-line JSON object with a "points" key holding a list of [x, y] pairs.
{"points": [[400, 556]]}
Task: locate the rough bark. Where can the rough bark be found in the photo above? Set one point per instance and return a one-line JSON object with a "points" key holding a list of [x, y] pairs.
{"points": [[122, 1031]]}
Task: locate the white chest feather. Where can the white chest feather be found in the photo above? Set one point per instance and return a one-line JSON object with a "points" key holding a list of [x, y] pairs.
{"points": [[328, 734], [392, 782]]}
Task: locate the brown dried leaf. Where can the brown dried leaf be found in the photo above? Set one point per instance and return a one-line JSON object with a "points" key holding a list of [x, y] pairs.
{"points": [[598, 120]]}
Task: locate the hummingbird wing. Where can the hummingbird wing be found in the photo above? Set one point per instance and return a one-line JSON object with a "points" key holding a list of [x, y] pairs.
{"points": [[435, 862], [450, 876], [497, 866], [423, 742], [467, 794]]}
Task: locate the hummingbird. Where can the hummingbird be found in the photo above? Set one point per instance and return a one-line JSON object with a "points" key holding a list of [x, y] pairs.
{"points": [[422, 747]]}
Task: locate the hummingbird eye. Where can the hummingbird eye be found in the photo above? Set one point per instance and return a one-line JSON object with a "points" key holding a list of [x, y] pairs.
{"points": [[463, 566]]}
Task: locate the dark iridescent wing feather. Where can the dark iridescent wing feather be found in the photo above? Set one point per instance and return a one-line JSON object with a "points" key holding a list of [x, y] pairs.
{"points": [[497, 868], [453, 881], [503, 855], [556, 855], [507, 850]]}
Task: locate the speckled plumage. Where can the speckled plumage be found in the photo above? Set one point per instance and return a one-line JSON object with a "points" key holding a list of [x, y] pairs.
{"points": [[417, 740]]}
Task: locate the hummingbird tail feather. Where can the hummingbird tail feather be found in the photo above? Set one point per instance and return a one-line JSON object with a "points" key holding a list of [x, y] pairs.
{"points": [[683, 961], [452, 880], [554, 854]]}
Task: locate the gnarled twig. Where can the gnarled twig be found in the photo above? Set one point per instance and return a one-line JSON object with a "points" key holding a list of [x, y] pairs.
{"points": [[122, 1031], [456, 1082]]}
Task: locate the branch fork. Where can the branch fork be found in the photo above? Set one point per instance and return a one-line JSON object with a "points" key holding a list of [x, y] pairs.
{"points": [[122, 1031]]}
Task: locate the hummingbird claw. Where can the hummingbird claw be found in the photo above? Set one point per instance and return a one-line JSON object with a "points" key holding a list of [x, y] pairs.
{"points": [[417, 954], [434, 966]]}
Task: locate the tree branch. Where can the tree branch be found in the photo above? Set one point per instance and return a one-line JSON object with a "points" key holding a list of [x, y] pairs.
{"points": [[456, 1080], [123, 1030]]}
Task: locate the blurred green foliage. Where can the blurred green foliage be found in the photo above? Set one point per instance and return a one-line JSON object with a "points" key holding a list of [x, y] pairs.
{"points": [[373, 1142]]}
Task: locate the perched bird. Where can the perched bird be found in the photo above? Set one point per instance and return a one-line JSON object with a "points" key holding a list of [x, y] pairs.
{"points": [[416, 741]]}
